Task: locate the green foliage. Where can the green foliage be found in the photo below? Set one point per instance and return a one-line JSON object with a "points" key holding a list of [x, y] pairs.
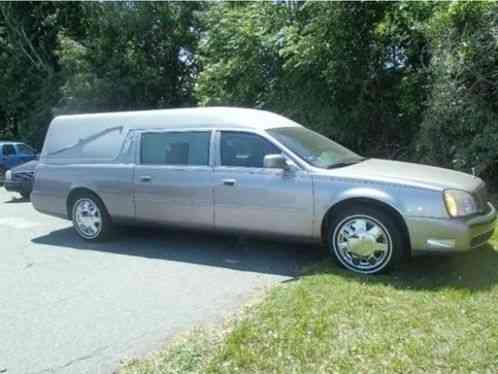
{"points": [[130, 58], [85, 57], [460, 128], [425, 317], [29, 78], [239, 58], [410, 80], [350, 70]]}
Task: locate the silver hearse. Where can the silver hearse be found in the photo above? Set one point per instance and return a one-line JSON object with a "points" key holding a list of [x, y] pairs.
{"points": [[254, 172]]}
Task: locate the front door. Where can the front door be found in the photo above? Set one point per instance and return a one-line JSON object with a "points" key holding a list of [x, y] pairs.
{"points": [[173, 178], [248, 197], [24, 153]]}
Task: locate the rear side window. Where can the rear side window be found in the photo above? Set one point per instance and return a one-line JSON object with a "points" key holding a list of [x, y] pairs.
{"points": [[8, 150], [239, 149], [25, 150], [175, 148]]}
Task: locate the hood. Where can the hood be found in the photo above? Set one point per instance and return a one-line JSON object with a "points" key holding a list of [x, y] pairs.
{"points": [[27, 167], [408, 173]]}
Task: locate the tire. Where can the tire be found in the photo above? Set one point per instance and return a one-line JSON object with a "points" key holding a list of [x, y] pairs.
{"points": [[2, 174], [365, 240], [91, 221]]}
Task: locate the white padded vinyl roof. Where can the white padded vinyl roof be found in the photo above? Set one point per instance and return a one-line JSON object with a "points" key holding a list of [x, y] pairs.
{"points": [[220, 117]]}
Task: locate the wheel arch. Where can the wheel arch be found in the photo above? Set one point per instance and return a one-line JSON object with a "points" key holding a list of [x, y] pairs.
{"points": [[365, 201], [79, 191]]}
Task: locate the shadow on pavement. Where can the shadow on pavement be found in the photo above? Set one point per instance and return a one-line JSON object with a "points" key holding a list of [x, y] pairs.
{"points": [[474, 271], [16, 200], [220, 250]]}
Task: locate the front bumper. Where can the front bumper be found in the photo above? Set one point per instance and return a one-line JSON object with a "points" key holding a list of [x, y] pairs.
{"points": [[20, 187], [451, 235]]}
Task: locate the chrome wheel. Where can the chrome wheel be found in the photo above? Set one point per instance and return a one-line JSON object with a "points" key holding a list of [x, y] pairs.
{"points": [[87, 218], [362, 244]]}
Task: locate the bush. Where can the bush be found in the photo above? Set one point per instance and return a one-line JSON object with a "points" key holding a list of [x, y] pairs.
{"points": [[460, 127]]}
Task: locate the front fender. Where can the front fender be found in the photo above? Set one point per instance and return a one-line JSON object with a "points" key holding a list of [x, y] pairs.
{"points": [[407, 201], [368, 193]]}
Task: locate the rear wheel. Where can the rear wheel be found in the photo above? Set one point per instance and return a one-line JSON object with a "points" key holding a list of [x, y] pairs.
{"points": [[365, 240], [90, 218]]}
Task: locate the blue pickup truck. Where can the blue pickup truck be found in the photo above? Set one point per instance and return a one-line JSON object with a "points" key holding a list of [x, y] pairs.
{"points": [[13, 154]]}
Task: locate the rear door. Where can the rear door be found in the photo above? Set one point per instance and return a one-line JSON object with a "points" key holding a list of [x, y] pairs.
{"points": [[173, 178]]}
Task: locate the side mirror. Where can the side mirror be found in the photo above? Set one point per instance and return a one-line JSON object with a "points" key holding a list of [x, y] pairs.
{"points": [[275, 162]]}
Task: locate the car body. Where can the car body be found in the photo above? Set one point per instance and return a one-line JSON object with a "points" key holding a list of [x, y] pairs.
{"points": [[13, 154], [20, 179], [255, 172]]}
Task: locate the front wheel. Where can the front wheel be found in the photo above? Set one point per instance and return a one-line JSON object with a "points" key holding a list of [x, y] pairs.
{"points": [[26, 195], [365, 240], [90, 218]]}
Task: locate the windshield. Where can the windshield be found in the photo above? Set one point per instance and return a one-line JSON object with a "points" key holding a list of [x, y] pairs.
{"points": [[25, 150], [314, 148]]}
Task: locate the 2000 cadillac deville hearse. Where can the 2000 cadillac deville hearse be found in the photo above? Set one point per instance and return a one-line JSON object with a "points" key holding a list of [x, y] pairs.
{"points": [[255, 172]]}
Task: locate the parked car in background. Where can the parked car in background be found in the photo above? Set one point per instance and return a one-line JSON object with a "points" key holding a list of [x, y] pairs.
{"points": [[20, 179], [13, 154], [256, 172]]}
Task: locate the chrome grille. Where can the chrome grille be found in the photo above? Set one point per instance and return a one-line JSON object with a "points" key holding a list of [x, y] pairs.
{"points": [[481, 197], [481, 239], [22, 176]]}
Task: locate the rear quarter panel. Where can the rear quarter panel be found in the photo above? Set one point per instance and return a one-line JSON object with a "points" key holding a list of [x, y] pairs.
{"points": [[113, 183], [81, 152]]}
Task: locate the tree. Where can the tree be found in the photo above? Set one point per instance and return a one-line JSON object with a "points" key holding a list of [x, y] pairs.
{"points": [[133, 56], [460, 127], [29, 70], [409, 80], [353, 71], [81, 57]]}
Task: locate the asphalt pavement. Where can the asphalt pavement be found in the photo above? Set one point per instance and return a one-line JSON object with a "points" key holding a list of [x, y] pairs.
{"points": [[68, 306]]}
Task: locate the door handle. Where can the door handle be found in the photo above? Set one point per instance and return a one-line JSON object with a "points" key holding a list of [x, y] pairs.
{"points": [[145, 179], [229, 182]]}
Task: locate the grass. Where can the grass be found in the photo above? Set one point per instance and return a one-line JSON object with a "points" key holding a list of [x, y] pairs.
{"points": [[433, 315]]}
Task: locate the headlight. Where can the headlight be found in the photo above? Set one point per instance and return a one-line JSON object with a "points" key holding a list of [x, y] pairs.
{"points": [[459, 203], [8, 175]]}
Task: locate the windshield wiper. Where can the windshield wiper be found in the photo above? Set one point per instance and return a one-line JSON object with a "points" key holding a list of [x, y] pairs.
{"points": [[341, 164]]}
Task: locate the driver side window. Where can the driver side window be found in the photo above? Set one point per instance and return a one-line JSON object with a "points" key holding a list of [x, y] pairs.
{"points": [[241, 149]]}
